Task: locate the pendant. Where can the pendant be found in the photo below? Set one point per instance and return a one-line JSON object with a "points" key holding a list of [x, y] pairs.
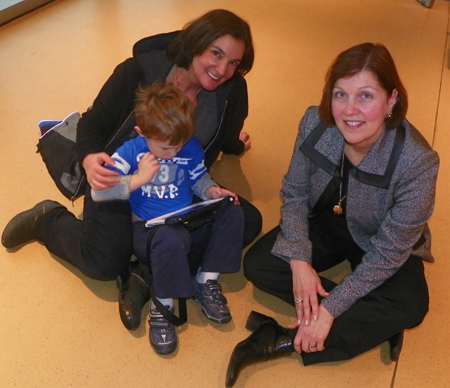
{"points": [[337, 209]]}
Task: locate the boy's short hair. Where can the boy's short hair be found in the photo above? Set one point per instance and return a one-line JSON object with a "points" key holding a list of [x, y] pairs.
{"points": [[164, 113]]}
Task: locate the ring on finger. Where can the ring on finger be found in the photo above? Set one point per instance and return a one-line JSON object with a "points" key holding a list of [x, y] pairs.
{"points": [[312, 346], [298, 301]]}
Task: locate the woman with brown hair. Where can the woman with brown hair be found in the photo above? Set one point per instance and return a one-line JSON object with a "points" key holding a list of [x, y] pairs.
{"points": [[360, 187], [207, 61]]}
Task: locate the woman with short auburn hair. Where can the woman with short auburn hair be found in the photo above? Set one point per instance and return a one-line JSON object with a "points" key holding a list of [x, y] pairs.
{"points": [[360, 188]]}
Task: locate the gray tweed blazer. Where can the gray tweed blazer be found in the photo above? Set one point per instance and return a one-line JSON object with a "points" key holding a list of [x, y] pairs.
{"points": [[390, 198]]}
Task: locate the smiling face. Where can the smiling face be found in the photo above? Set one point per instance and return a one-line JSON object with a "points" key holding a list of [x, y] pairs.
{"points": [[359, 106], [217, 63]]}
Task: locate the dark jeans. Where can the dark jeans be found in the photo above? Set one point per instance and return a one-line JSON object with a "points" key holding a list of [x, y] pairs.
{"points": [[401, 302], [163, 251], [101, 244]]}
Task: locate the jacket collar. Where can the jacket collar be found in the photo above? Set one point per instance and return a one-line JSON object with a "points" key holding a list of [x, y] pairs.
{"points": [[377, 167]]}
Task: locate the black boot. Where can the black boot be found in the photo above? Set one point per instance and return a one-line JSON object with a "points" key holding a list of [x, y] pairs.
{"points": [[396, 343], [20, 229], [133, 295], [255, 319], [268, 342]]}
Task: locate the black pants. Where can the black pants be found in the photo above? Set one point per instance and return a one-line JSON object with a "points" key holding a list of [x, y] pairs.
{"points": [[101, 244], [401, 302]]}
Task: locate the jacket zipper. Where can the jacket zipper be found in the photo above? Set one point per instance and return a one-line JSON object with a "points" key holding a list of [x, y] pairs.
{"points": [[118, 131], [220, 126]]}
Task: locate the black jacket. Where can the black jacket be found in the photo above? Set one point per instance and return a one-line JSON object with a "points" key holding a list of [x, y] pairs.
{"points": [[113, 108]]}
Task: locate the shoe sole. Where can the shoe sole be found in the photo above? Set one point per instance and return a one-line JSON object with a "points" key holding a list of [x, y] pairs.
{"points": [[163, 352]]}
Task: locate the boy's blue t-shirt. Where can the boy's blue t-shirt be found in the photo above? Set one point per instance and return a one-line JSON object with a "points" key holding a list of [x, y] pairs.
{"points": [[171, 188]]}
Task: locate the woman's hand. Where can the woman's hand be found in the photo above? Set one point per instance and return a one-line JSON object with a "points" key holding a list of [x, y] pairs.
{"points": [[306, 286], [99, 177], [218, 192], [245, 138], [311, 338]]}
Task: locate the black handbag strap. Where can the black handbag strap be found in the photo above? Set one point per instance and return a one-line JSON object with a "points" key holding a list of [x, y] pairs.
{"points": [[166, 313]]}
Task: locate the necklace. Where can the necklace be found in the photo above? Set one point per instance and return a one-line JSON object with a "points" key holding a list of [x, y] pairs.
{"points": [[337, 209]]}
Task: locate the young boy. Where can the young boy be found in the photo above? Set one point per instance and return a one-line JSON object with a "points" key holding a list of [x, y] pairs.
{"points": [[161, 170]]}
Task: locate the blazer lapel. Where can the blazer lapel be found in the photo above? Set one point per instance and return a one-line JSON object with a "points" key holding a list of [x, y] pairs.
{"points": [[377, 167]]}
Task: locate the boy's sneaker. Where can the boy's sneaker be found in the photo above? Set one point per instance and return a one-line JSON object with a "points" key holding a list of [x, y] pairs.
{"points": [[163, 335], [213, 304]]}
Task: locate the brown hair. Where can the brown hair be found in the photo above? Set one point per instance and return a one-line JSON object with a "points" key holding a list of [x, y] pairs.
{"points": [[200, 33], [163, 112], [373, 57]]}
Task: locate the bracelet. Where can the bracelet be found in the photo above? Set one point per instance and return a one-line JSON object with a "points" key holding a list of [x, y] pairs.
{"points": [[328, 323]]}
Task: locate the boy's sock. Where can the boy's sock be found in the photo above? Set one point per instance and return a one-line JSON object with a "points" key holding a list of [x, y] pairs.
{"points": [[168, 302], [203, 277]]}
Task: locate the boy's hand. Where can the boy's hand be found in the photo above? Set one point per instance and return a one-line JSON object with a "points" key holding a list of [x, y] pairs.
{"points": [[147, 168], [217, 192]]}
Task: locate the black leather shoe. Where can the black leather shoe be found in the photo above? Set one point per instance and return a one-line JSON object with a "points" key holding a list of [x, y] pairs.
{"points": [[133, 295], [268, 342], [20, 229], [255, 319], [396, 343]]}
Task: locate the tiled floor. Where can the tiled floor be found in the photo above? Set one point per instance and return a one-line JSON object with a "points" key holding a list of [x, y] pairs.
{"points": [[61, 329]]}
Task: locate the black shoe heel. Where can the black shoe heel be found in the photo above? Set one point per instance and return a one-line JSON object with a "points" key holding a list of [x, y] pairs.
{"points": [[268, 342], [255, 319], [396, 343], [124, 277]]}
